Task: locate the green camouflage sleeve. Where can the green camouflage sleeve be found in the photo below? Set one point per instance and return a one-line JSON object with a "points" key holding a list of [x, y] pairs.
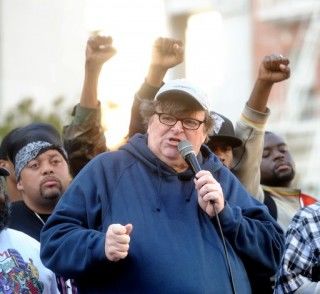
{"points": [[84, 137]]}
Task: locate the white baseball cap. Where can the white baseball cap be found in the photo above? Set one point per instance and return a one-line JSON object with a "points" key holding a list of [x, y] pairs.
{"points": [[183, 86]]}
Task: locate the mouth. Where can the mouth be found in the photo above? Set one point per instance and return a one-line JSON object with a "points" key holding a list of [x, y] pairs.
{"points": [[50, 182], [282, 167], [174, 141]]}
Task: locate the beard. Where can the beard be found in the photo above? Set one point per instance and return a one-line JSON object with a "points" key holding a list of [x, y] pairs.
{"points": [[4, 214], [284, 177], [51, 195]]}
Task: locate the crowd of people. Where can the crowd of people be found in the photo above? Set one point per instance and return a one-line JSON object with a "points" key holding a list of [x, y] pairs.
{"points": [[225, 218]]}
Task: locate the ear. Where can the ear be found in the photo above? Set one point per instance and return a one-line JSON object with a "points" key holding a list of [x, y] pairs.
{"points": [[19, 186], [3, 163], [149, 122]]}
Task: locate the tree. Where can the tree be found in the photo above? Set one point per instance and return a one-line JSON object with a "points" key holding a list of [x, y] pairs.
{"points": [[25, 113]]}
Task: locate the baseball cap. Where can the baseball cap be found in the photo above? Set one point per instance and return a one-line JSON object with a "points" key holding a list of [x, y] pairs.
{"points": [[30, 141], [4, 172], [185, 88], [223, 132], [6, 141]]}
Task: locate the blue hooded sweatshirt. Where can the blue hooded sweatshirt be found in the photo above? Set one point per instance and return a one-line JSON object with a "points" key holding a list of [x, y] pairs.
{"points": [[175, 247]]}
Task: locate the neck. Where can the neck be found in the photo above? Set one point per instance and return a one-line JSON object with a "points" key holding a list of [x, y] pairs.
{"points": [[14, 194], [179, 168], [37, 208]]}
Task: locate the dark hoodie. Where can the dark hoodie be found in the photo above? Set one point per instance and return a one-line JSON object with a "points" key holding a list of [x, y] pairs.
{"points": [[175, 247]]}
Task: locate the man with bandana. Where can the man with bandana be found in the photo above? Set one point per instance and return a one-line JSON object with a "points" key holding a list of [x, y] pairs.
{"points": [[42, 175]]}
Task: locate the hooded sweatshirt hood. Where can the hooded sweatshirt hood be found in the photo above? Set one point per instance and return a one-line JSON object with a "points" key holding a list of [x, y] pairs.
{"points": [[137, 147]]}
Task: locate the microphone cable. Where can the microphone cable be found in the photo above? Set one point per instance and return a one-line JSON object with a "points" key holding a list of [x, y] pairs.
{"points": [[226, 255], [186, 151]]}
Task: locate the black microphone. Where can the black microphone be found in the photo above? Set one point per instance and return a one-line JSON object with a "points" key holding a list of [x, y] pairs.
{"points": [[186, 151]]}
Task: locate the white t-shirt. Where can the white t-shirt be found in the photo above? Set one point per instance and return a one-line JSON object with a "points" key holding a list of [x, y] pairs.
{"points": [[21, 270]]}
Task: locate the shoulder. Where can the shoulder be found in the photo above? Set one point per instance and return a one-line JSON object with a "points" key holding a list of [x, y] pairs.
{"points": [[106, 166], [25, 251], [310, 211], [110, 160], [17, 205], [20, 238], [306, 219]]}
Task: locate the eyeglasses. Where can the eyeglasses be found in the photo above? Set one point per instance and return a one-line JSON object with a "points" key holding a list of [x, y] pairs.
{"points": [[187, 123]]}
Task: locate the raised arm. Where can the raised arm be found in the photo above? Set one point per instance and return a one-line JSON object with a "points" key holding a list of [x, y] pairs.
{"points": [[250, 127], [99, 50], [273, 69], [166, 53], [84, 137]]}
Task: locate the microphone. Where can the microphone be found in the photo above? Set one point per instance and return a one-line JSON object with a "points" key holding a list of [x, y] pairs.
{"points": [[186, 151]]}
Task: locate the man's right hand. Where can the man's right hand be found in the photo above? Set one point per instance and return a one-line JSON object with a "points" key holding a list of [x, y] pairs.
{"points": [[117, 241], [167, 53], [99, 50], [274, 68]]}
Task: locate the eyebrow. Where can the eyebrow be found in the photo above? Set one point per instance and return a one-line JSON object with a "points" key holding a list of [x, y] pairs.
{"points": [[51, 155], [276, 145]]}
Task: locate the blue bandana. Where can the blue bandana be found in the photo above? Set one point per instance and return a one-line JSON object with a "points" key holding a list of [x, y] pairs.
{"points": [[30, 152]]}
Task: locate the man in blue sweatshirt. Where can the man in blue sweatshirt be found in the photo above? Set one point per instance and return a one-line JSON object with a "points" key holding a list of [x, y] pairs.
{"points": [[138, 221]]}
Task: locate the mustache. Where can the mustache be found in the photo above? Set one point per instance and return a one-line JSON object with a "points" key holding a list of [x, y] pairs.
{"points": [[50, 178], [282, 162]]}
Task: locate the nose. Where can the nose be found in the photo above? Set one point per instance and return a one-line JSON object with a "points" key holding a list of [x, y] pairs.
{"points": [[178, 126], [46, 168], [277, 154], [220, 155]]}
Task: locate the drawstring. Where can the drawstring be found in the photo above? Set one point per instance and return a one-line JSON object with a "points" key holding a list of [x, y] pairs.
{"points": [[158, 200], [188, 185], [189, 192]]}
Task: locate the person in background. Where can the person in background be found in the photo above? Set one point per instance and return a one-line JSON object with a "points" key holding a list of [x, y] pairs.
{"points": [[299, 271], [224, 140], [42, 173], [277, 175], [20, 257], [142, 223], [10, 181]]}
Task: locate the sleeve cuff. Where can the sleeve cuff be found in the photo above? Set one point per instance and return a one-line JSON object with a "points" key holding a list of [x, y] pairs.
{"points": [[81, 114], [226, 217], [253, 118], [147, 91]]}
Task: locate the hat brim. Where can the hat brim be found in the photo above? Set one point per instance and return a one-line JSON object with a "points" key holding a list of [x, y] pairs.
{"points": [[231, 141], [4, 172], [180, 93]]}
